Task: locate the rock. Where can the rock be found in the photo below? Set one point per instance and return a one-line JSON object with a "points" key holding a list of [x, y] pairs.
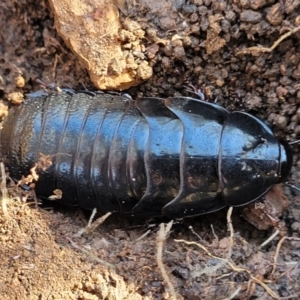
{"points": [[91, 30]]}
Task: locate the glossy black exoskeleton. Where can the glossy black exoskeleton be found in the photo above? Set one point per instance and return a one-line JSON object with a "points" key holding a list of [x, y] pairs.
{"points": [[177, 157]]}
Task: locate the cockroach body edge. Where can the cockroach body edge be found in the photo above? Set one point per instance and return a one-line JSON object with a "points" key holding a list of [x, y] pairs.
{"points": [[177, 157]]}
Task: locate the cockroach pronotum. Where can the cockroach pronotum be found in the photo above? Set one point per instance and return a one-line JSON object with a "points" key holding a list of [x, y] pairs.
{"points": [[177, 157]]}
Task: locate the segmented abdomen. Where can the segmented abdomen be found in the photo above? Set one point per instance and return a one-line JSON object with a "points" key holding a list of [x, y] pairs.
{"points": [[153, 157]]}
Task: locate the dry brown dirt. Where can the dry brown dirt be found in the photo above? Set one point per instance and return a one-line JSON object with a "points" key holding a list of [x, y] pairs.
{"points": [[201, 42]]}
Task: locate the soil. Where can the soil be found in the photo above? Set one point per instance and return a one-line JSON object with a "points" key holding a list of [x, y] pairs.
{"points": [[202, 43]]}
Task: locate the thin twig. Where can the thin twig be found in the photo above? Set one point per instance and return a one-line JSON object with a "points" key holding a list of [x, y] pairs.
{"points": [[267, 241]]}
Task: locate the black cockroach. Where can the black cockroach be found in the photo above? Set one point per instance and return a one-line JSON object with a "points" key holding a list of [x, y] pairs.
{"points": [[177, 157]]}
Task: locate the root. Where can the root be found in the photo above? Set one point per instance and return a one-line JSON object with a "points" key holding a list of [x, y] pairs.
{"points": [[278, 249], [91, 255], [3, 190], [92, 226], [269, 49], [235, 293], [195, 233], [230, 263], [162, 236], [89, 229], [230, 228]]}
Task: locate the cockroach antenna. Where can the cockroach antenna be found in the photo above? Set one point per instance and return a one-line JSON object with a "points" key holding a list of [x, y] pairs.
{"points": [[293, 187], [294, 142], [290, 185], [53, 87]]}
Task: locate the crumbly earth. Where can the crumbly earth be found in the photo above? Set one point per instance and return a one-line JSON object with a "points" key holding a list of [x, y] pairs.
{"points": [[200, 42]]}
